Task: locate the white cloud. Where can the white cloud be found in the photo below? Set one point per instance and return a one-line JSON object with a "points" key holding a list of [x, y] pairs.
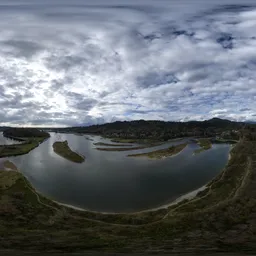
{"points": [[75, 63]]}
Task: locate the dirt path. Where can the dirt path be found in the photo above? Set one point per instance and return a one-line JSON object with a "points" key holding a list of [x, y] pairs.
{"points": [[38, 197], [237, 192], [245, 178]]}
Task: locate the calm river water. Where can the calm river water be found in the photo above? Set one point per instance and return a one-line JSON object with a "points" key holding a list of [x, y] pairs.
{"points": [[6, 141], [112, 182]]}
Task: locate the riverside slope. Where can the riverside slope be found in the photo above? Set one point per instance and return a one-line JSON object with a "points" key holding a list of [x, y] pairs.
{"points": [[221, 218]]}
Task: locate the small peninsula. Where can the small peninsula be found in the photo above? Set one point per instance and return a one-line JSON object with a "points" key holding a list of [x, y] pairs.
{"points": [[30, 137], [204, 144], [162, 153], [110, 144], [61, 148], [8, 165], [121, 149]]}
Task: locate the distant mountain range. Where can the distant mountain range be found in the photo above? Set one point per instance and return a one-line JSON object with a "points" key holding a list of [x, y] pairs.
{"points": [[250, 122], [2, 128], [161, 130]]}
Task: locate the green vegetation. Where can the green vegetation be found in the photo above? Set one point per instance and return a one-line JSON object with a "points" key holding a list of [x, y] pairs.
{"points": [[138, 130], [122, 149], [205, 144], [8, 179], [10, 165], [20, 133], [61, 148], [137, 141], [162, 153], [222, 218], [20, 149], [31, 139], [220, 141], [124, 140], [110, 144], [144, 146]]}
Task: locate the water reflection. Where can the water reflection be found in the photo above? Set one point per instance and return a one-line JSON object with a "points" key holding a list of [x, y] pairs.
{"points": [[6, 141], [112, 182]]}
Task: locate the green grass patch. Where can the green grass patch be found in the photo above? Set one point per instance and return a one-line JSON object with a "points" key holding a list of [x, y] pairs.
{"points": [[8, 178], [30, 137], [223, 141], [222, 218], [61, 148], [20, 149], [10, 165], [122, 148], [138, 141], [25, 133], [110, 144], [204, 144], [162, 153]]}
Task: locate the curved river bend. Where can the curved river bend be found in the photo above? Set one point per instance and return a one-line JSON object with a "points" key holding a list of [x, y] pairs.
{"points": [[112, 182]]}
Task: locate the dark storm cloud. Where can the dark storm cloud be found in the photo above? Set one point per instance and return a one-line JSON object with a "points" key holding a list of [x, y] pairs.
{"points": [[245, 109], [85, 104], [155, 79], [67, 62], [225, 40], [22, 48]]}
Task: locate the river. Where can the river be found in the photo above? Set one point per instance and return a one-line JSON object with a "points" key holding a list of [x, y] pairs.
{"points": [[111, 181]]}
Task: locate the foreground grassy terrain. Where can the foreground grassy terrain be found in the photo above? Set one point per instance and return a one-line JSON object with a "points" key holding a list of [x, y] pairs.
{"points": [[61, 148], [204, 144], [162, 153], [221, 218]]}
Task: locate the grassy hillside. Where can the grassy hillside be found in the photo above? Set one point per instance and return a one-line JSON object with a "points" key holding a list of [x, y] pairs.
{"points": [[25, 133], [221, 218], [132, 131]]}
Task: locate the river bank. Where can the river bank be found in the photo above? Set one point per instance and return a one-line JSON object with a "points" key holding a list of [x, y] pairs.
{"points": [[162, 153], [32, 222], [188, 196]]}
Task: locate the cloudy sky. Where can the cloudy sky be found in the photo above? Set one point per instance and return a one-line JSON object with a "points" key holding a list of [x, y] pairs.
{"points": [[80, 62]]}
